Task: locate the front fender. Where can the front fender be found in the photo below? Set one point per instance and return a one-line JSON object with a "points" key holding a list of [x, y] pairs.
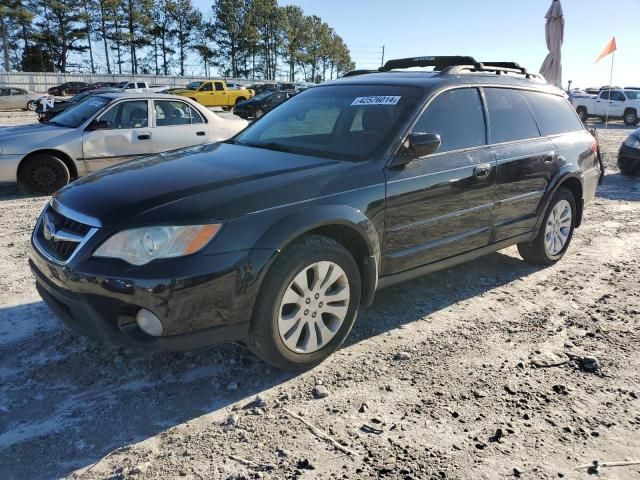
{"points": [[296, 224]]}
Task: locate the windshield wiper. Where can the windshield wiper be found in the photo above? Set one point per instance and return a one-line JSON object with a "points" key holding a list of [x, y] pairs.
{"points": [[277, 147]]}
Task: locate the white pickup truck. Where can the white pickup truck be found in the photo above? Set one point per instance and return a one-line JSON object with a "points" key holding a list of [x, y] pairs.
{"points": [[616, 103]]}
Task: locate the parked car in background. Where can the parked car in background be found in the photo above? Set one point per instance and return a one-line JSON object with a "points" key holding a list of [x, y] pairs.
{"points": [[215, 93], [614, 103], [46, 113], [257, 106], [98, 85], [103, 130], [67, 88], [629, 154], [278, 236], [14, 98], [132, 87]]}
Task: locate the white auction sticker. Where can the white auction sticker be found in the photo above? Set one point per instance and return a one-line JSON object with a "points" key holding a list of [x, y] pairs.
{"points": [[379, 100]]}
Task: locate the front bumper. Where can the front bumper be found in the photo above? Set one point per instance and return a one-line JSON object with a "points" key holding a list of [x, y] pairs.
{"points": [[9, 167], [201, 299]]}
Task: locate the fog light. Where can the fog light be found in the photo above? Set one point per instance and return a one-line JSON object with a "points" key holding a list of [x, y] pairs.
{"points": [[149, 323]]}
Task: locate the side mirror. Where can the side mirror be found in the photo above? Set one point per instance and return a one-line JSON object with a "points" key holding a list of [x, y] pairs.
{"points": [[417, 145], [98, 125]]}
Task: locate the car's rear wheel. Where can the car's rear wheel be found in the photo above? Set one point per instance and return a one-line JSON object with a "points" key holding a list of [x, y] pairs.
{"points": [[307, 304], [556, 231], [631, 117], [629, 166], [32, 105], [582, 113], [63, 93], [240, 99], [43, 173]]}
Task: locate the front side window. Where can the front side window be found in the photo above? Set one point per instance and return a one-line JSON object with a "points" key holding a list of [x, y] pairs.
{"points": [[169, 113], [319, 121], [79, 113], [129, 114], [457, 116], [510, 118], [553, 113]]}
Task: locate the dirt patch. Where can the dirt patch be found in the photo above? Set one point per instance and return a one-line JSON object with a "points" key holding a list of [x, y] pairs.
{"points": [[493, 369]]}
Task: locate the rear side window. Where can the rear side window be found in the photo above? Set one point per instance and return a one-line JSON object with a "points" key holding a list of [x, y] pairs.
{"points": [[510, 118], [553, 113], [219, 86], [457, 116]]}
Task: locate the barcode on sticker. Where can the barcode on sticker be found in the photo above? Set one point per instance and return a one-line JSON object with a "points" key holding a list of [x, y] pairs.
{"points": [[378, 100]]}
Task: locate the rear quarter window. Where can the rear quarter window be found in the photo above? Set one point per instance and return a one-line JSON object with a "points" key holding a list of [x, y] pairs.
{"points": [[510, 117], [553, 113]]}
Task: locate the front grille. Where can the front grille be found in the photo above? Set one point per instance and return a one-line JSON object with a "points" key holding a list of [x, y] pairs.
{"points": [[60, 250]]}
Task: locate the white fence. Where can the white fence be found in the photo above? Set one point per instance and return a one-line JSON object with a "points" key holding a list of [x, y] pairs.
{"points": [[41, 81]]}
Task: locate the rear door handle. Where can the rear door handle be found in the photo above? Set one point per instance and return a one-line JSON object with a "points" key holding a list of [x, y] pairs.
{"points": [[200, 134], [146, 136], [482, 170]]}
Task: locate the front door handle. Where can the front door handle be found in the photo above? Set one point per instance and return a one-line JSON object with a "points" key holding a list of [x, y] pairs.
{"points": [[146, 136], [200, 134], [482, 170]]}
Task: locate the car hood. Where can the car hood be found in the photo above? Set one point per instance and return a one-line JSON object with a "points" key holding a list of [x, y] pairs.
{"points": [[213, 182], [24, 138]]}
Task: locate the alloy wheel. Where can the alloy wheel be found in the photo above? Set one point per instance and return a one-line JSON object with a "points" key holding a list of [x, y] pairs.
{"points": [[558, 228], [313, 307]]}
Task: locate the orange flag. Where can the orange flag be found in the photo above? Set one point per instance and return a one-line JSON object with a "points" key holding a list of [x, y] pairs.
{"points": [[610, 48]]}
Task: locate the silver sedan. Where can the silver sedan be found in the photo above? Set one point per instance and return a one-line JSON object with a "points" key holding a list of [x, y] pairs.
{"points": [[14, 98], [103, 130]]}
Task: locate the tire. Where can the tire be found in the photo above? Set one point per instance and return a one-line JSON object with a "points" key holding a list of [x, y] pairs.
{"points": [[538, 251], [582, 113], [629, 166], [63, 93], [32, 105], [270, 329], [631, 117], [239, 99], [43, 174]]}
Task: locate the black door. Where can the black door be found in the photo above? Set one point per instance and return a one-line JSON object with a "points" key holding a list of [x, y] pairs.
{"points": [[526, 162], [441, 205]]}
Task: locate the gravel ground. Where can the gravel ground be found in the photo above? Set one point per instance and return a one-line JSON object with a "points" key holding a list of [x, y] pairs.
{"points": [[493, 369]]}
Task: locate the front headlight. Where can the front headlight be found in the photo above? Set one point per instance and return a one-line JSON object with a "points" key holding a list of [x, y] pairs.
{"points": [[142, 245], [633, 142]]}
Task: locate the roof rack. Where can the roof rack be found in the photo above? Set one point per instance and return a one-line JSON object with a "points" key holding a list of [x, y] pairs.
{"points": [[439, 63], [452, 65]]}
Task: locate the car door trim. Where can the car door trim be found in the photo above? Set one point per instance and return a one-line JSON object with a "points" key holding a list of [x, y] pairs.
{"points": [[404, 252], [440, 218], [517, 198]]}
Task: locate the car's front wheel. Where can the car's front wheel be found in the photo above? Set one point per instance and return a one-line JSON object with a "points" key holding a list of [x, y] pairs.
{"points": [[556, 231], [582, 113], [307, 304], [43, 174], [32, 105]]}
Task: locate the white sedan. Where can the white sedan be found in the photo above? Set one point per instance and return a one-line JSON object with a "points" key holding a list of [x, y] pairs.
{"points": [[103, 130]]}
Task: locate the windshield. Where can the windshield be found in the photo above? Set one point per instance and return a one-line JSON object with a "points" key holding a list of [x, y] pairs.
{"points": [[193, 85], [632, 94], [79, 113], [347, 122]]}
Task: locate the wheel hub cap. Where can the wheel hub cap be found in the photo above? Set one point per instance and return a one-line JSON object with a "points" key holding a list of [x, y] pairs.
{"points": [[313, 307], [558, 228]]}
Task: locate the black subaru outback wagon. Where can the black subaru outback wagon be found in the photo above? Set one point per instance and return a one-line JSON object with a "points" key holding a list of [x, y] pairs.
{"points": [[277, 236]]}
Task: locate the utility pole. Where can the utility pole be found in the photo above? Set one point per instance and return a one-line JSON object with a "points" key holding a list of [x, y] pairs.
{"points": [[382, 63]]}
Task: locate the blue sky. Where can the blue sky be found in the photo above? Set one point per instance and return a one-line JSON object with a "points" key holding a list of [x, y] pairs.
{"points": [[488, 30]]}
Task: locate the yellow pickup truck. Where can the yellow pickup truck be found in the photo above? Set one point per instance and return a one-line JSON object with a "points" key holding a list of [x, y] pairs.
{"points": [[214, 93]]}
